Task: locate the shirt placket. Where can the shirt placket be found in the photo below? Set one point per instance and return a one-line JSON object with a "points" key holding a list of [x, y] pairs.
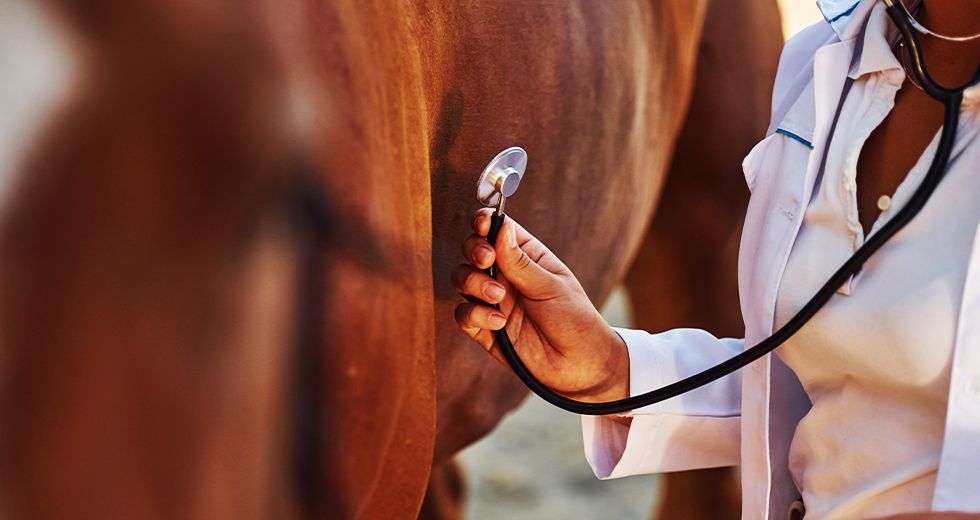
{"points": [[882, 100], [882, 92]]}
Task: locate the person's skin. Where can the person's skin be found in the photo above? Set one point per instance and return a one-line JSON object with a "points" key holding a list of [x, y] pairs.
{"points": [[894, 147], [556, 330]]}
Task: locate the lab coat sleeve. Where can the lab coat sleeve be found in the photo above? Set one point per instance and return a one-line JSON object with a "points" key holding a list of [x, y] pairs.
{"points": [[700, 429]]}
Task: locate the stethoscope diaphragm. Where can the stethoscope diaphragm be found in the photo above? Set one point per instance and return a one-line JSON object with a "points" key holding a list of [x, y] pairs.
{"points": [[502, 176]]}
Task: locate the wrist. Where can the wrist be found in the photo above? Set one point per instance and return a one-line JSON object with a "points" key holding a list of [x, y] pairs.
{"points": [[616, 384]]}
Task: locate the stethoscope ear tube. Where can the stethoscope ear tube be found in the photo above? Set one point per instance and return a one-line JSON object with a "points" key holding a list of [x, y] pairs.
{"points": [[851, 266], [905, 23]]}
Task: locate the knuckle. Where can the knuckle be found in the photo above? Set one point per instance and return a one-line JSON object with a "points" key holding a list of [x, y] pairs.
{"points": [[480, 218], [473, 314], [523, 262], [462, 313], [471, 246], [472, 282]]}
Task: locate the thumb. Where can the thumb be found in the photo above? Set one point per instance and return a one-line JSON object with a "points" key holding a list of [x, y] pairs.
{"points": [[520, 269]]}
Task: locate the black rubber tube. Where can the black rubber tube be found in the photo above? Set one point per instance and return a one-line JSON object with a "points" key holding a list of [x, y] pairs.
{"points": [[851, 266]]}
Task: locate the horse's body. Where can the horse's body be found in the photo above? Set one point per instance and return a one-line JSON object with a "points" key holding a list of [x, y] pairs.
{"points": [[595, 91], [150, 372], [147, 268]]}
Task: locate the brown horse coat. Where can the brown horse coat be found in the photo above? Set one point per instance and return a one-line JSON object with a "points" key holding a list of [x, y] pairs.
{"points": [[150, 278], [147, 268]]}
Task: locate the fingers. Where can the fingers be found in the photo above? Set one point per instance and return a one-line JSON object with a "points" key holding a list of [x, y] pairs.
{"points": [[478, 251], [483, 337], [521, 270], [481, 225], [481, 221], [473, 316], [470, 281]]}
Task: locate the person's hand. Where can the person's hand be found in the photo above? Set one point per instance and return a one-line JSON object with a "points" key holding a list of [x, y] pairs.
{"points": [[556, 330]]}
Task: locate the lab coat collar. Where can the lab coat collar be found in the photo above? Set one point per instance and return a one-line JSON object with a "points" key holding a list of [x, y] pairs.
{"points": [[867, 22], [848, 17], [876, 53], [845, 16]]}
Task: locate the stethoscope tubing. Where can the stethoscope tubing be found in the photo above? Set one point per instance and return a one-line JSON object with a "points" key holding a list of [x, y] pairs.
{"points": [[851, 266], [951, 99]]}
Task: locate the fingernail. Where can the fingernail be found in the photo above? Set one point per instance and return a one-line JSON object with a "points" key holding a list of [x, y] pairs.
{"points": [[511, 236], [482, 255], [497, 320], [493, 291]]}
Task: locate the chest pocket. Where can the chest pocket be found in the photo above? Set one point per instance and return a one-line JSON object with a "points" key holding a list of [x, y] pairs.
{"points": [[775, 172], [786, 149], [784, 153]]}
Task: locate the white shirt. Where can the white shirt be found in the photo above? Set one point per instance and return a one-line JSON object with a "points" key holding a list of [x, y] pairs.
{"points": [[750, 418], [876, 358]]}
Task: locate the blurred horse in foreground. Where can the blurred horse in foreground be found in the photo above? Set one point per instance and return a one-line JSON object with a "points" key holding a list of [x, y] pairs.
{"points": [[226, 230]]}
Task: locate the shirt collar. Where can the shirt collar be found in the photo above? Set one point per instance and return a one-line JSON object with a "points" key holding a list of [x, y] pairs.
{"points": [[850, 19], [845, 16], [876, 53]]}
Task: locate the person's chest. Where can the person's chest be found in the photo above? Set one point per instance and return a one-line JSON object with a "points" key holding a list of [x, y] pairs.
{"points": [[878, 355], [893, 148], [908, 300]]}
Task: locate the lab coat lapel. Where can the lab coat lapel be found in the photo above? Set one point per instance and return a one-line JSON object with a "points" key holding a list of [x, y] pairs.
{"points": [[786, 404], [830, 66], [959, 464]]}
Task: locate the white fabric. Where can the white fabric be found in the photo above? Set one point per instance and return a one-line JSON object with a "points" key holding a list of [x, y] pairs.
{"points": [[755, 413], [877, 358]]}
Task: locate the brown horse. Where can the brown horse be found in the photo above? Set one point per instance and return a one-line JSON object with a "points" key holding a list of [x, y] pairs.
{"points": [[159, 297], [422, 95], [148, 262]]}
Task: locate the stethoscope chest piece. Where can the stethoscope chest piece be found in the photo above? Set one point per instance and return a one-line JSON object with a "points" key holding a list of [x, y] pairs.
{"points": [[502, 176]]}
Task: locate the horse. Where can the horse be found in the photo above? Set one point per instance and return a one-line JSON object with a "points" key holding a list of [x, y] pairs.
{"points": [[227, 237], [149, 261]]}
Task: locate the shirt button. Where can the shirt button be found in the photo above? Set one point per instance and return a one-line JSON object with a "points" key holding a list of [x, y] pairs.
{"points": [[884, 202]]}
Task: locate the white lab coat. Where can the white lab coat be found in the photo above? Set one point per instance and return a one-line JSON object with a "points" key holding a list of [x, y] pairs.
{"points": [[749, 418]]}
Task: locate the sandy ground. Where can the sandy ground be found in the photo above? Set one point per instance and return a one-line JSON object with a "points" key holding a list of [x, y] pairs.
{"points": [[532, 466]]}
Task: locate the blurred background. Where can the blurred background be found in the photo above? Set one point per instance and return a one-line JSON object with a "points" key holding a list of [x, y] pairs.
{"points": [[532, 466]]}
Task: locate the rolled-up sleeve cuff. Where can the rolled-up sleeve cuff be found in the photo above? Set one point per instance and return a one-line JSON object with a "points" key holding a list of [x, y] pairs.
{"points": [[659, 443], [608, 448], [672, 436], [645, 370]]}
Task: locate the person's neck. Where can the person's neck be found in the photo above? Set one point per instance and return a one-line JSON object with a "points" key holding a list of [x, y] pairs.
{"points": [[950, 63]]}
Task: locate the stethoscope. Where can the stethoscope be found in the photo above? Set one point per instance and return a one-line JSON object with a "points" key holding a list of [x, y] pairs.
{"points": [[503, 175]]}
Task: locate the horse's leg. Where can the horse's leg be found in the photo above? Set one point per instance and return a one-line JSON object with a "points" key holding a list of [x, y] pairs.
{"points": [[685, 274], [445, 494], [712, 493]]}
